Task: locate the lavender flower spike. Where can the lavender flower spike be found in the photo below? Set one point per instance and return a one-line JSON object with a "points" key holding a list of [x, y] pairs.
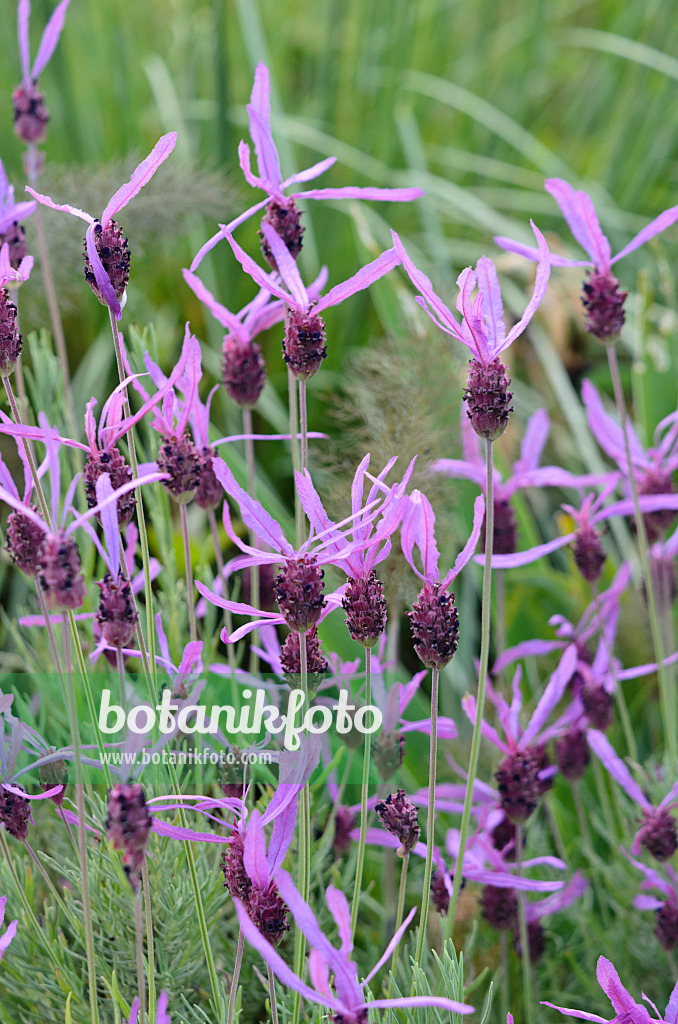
{"points": [[602, 299], [482, 330], [11, 231], [30, 112], [625, 1008], [347, 1001], [282, 213], [107, 256]]}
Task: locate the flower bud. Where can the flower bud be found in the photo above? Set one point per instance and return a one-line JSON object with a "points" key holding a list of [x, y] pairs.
{"points": [[181, 459], [499, 907], [15, 238], [304, 345], [210, 493], [589, 553], [440, 897], [365, 609], [316, 662], [658, 834], [30, 113], [113, 463], [604, 305], [299, 592], [285, 219], [10, 339], [598, 705], [268, 912], [344, 823], [399, 815], [519, 785], [666, 925], [236, 879], [488, 399], [117, 616], [128, 824], [243, 371], [24, 542], [572, 754], [434, 623], [15, 813], [114, 254], [59, 573]]}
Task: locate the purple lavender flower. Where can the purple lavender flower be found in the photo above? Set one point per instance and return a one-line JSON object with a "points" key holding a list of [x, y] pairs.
{"points": [[30, 112], [657, 833], [107, 254], [10, 339], [602, 298], [526, 472], [11, 213], [128, 824], [304, 343], [666, 908], [626, 1010], [653, 467], [347, 1001], [482, 330], [282, 214], [434, 621]]}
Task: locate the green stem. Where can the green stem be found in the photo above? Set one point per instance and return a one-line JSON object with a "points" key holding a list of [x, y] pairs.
{"points": [[399, 918], [233, 994], [294, 442], [528, 1002], [139, 945], [271, 991], [667, 696], [303, 421], [188, 565], [150, 946], [16, 416], [363, 801], [304, 844], [430, 818], [482, 680]]}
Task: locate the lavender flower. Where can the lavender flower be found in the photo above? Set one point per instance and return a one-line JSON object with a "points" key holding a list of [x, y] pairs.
{"points": [[10, 930], [283, 214], [10, 339], [434, 621], [30, 112], [666, 908], [626, 1010], [304, 343], [602, 298], [347, 1001], [107, 254], [482, 330]]}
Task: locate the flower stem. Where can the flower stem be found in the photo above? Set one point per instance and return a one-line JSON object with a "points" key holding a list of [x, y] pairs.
{"points": [[139, 944], [188, 564], [254, 569], [150, 946], [666, 690], [528, 1003], [399, 918], [271, 990], [363, 800], [82, 840], [233, 994], [16, 416], [482, 680], [294, 442], [120, 666], [304, 843], [303, 422], [430, 818]]}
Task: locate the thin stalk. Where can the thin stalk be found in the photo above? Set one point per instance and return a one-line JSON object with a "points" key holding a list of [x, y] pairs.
{"points": [[304, 843], [303, 419], [294, 442], [148, 659], [482, 680], [430, 818], [228, 618], [82, 841], [150, 946], [120, 666], [16, 416], [252, 488], [399, 918], [528, 1004], [505, 976], [139, 945], [52, 888], [271, 992], [188, 564], [363, 800], [233, 994], [665, 690], [50, 290], [53, 649], [24, 900]]}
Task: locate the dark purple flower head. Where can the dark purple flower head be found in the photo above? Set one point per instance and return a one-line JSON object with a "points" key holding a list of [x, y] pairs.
{"points": [[107, 256], [482, 329], [128, 824], [11, 213], [282, 214], [400, 816], [30, 113], [602, 298], [10, 338]]}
